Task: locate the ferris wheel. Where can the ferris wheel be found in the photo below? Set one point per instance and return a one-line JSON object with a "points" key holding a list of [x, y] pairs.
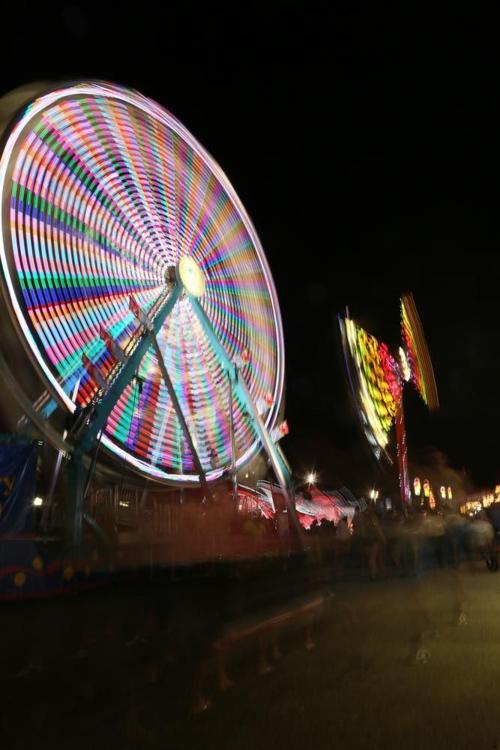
{"points": [[138, 288]]}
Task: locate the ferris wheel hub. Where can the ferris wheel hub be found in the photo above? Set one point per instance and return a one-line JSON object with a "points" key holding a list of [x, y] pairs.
{"points": [[191, 276]]}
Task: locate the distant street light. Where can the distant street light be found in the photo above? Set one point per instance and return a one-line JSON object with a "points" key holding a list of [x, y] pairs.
{"points": [[311, 478]]}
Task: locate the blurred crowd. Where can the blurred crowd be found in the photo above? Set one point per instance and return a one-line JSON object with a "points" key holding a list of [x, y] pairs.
{"points": [[379, 544]]}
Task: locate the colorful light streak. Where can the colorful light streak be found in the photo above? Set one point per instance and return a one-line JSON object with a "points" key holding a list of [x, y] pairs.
{"points": [[416, 353], [379, 378], [378, 382], [106, 191]]}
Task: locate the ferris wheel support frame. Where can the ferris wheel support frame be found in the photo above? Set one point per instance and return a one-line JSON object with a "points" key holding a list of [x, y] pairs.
{"points": [[76, 475], [180, 414], [233, 440], [78, 481], [240, 388]]}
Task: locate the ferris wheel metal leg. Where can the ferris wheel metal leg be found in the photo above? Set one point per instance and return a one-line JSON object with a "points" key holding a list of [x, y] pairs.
{"points": [[77, 478], [180, 416], [280, 468], [233, 439], [126, 374], [76, 501]]}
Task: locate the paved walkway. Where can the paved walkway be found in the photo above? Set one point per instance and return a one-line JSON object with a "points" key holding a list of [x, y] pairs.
{"points": [[397, 663]]}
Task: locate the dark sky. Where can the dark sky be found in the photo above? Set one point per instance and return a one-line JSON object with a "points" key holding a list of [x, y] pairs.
{"points": [[364, 148]]}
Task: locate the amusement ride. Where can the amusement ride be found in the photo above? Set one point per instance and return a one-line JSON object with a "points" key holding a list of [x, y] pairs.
{"points": [[141, 322], [378, 377]]}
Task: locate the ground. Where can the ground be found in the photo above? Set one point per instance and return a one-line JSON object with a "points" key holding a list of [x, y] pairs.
{"points": [[399, 662]]}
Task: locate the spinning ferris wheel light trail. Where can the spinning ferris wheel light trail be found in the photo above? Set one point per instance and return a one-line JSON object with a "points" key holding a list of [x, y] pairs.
{"points": [[107, 198]]}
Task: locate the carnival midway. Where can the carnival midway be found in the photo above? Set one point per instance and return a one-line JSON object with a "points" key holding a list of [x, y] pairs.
{"points": [[142, 361], [148, 512]]}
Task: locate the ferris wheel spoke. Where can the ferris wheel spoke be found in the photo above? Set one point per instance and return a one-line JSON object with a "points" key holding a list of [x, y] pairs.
{"points": [[196, 219], [180, 415], [208, 403], [185, 192], [171, 179], [86, 167], [216, 233], [139, 183], [208, 235]]}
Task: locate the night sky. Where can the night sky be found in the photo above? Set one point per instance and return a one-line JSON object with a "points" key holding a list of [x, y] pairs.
{"points": [[364, 148]]}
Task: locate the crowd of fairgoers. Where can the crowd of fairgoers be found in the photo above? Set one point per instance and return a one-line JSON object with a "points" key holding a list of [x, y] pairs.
{"points": [[404, 542], [356, 534], [352, 532]]}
